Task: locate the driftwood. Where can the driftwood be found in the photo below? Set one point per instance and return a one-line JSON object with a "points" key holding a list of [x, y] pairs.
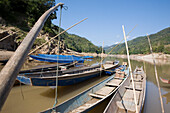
{"points": [[9, 73]]}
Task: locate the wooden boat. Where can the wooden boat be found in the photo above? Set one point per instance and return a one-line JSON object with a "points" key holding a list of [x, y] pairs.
{"points": [[87, 57], [57, 59], [165, 80], [49, 67], [67, 77], [66, 56], [123, 100], [88, 99]]}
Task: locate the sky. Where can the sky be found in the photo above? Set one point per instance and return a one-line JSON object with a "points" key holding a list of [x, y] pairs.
{"points": [[106, 17]]}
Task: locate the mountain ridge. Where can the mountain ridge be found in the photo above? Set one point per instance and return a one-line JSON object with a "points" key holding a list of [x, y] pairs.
{"points": [[160, 42]]}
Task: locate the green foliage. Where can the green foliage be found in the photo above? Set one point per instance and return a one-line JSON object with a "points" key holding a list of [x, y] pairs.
{"points": [[24, 13], [140, 45], [77, 43]]}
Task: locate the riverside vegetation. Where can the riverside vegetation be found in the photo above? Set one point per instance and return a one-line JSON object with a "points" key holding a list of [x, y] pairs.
{"points": [[160, 43], [22, 14]]}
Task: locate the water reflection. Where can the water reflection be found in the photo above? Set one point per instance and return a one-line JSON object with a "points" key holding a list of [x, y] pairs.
{"points": [[41, 98]]}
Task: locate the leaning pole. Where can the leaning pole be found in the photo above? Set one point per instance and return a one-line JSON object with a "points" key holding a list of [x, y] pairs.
{"points": [[9, 73]]}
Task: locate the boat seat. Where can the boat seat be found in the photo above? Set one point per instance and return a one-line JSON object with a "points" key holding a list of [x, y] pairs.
{"points": [[131, 88], [126, 106], [105, 91], [114, 82], [118, 78], [96, 96]]}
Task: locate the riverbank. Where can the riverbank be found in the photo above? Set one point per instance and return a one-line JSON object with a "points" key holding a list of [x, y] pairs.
{"points": [[160, 58]]}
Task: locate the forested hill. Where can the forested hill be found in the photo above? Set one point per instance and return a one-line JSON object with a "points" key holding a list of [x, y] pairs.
{"points": [[160, 42], [22, 14]]}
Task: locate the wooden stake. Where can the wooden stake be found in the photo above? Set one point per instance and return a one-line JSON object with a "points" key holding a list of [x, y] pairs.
{"points": [[133, 85], [10, 71], [156, 75]]}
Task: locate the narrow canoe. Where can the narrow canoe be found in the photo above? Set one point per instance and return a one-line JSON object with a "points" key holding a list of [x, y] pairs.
{"points": [[55, 59], [123, 100], [165, 80], [90, 98], [49, 67], [67, 77]]}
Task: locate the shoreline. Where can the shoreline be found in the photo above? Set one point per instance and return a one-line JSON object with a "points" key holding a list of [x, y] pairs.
{"points": [[160, 58]]}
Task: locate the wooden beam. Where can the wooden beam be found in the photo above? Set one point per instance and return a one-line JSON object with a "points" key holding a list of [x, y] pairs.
{"points": [[9, 73]]}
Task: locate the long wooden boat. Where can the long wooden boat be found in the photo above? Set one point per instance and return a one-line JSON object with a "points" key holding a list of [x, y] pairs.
{"points": [[67, 77], [66, 56], [90, 98], [123, 100], [49, 67], [165, 80], [57, 59]]}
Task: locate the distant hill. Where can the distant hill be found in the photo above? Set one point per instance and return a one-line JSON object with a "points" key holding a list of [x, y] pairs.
{"points": [[77, 43], [160, 43]]}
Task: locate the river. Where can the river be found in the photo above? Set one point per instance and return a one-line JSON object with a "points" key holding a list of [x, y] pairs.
{"points": [[36, 99]]}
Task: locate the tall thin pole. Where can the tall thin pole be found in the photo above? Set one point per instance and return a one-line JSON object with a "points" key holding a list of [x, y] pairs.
{"points": [[156, 75], [133, 85], [101, 59], [10, 71]]}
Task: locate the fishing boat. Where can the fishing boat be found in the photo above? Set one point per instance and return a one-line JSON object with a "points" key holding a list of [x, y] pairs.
{"points": [[49, 67], [165, 80], [66, 56], [123, 100], [87, 57], [95, 95], [57, 59], [66, 77]]}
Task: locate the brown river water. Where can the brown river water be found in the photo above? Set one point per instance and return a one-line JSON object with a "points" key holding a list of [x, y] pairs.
{"points": [[36, 99]]}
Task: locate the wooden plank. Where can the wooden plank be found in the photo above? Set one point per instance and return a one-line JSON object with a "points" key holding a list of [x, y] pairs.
{"points": [[105, 91], [85, 106], [129, 96], [131, 88], [138, 85], [96, 96], [114, 82]]}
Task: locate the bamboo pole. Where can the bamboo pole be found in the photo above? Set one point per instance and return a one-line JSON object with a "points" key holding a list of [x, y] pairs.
{"points": [[8, 36], [133, 85], [9, 73], [156, 75], [55, 36], [58, 52]]}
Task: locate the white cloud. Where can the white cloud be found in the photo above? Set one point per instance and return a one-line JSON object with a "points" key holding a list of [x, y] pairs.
{"points": [[116, 42]]}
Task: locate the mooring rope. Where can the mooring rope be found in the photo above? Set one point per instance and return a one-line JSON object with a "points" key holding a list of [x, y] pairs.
{"points": [[58, 51], [133, 85], [156, 75]]}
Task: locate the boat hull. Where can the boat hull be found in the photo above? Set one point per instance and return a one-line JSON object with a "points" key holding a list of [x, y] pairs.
{"points": [[54, 59], [63, 81], [84, 97]]}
